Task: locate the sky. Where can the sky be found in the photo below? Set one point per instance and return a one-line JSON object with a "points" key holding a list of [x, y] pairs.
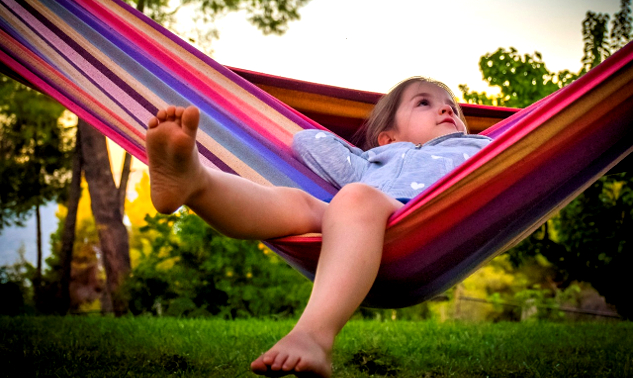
{"points": [[372, 45]]}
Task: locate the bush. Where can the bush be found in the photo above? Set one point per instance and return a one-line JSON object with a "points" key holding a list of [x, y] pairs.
{"points": [[16, 289], [192, 270]]}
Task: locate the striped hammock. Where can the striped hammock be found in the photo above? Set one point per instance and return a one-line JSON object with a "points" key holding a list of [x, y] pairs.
{"points": [[114, 67]]}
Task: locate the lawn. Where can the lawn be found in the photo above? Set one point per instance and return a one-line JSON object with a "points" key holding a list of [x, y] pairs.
{"points": [[169, 347]]}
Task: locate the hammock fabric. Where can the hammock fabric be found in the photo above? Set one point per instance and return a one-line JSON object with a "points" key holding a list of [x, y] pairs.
{"points": [[343, 110], [114, 68]]}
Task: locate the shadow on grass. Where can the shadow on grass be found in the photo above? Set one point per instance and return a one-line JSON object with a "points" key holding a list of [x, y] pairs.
{"points": [[375, 362]]}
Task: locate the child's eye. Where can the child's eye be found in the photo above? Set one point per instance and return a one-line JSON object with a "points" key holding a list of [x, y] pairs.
{"points": [[455, 111], [423, 102]]}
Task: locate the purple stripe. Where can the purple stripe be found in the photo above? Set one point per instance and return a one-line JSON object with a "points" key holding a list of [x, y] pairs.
{"points": [[252, 89], [80, 14], [235, 139], [54, 30], [257, 146]]}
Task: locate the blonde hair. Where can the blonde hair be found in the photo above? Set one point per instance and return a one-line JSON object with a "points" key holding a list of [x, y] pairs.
{"points": [[382, 117]]}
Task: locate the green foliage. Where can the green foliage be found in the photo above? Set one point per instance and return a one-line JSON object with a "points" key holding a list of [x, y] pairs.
{"points": [[595, 231], [16, 287], [35, 151], [271, 17], [590, 240], [420, 311], [155, 9], [522, 80], [509, 290], [192, 270], [621, 28], [595, 36], [545, 304]]}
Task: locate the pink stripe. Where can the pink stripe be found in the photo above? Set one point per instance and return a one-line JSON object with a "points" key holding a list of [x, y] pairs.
{"points": [[226, 100], [88, 69], [70, 87]]}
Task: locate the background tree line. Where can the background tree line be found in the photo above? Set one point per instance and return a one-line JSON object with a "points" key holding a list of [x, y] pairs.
{"points": [[590, 240], [164, 265]]}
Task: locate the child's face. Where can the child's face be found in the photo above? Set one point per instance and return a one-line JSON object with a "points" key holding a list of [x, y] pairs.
{"points": [[426, 111]]}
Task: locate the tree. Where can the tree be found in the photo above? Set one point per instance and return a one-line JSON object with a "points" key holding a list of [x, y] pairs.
{"points": [[595, 231], [36, 154], [595, 35], [35, 151], [590, 239], [87, 283], [68, 234], [522, 80], [106, 209], [621, 29], [271, 17]]}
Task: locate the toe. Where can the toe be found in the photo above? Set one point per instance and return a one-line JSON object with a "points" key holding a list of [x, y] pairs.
{"points": [[171, 113], [269, 357], [258, 366], [290, 363], [190, 119], [152, 122], [161, 115], [279, 361], [178, 112]]}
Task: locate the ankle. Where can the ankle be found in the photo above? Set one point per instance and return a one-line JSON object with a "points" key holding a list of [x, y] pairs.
{"points": [[323, 337], [200, 183]]}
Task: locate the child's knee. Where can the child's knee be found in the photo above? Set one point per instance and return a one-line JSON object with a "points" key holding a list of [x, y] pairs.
{"points": [[359, 196]]}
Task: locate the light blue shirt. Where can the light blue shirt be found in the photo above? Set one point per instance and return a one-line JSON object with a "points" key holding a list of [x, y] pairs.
{"points": [[401, 170]]}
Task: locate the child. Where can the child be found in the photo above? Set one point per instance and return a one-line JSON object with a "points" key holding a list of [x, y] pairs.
{"points": [[416, 134]]}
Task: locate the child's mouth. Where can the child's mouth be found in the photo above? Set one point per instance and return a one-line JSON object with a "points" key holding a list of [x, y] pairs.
{"points": [[448, 120]]}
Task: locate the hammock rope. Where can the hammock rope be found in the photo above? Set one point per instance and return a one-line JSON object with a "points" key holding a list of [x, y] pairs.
{"points": [[114, 67]]}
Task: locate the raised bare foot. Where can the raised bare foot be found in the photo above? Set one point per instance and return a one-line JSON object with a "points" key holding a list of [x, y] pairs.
{"points": [[174, 167], [298, 353]]}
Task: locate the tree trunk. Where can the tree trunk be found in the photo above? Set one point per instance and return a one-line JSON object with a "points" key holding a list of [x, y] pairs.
{"points": [[125, 176], [37, 281], [107, 212], [68, 234]]}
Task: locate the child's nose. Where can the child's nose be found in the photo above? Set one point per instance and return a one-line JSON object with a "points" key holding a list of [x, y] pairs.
{"points": [[446, 109]]}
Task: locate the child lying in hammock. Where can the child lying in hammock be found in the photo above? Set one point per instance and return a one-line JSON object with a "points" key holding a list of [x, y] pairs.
{"points": [[415, 135]]}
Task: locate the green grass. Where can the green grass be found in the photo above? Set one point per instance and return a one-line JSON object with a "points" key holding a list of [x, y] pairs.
{"points": [[168, 347]]}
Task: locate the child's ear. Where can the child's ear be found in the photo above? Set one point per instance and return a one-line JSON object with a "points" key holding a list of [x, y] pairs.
{"points": [[386, 137]]}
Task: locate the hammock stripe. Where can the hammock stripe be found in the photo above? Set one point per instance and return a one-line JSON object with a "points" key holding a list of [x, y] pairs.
{"points": [[114, 67]]}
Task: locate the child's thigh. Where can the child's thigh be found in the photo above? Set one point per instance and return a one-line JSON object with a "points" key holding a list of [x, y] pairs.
{"points": [[296, 205]]}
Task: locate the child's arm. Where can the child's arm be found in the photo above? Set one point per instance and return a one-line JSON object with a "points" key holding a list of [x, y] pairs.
{"points": [[329, 157]]}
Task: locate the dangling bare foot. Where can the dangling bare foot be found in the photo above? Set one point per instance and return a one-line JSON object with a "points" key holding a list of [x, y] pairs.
{"points": [[174, 167], [297, 353]]}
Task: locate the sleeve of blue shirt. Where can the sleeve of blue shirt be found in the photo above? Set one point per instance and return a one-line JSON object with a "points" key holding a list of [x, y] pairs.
{"points": [[331, 158]]}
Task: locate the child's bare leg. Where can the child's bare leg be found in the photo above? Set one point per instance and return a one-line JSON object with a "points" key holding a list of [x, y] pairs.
{"points": [[234, 206], [353, 234]]}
